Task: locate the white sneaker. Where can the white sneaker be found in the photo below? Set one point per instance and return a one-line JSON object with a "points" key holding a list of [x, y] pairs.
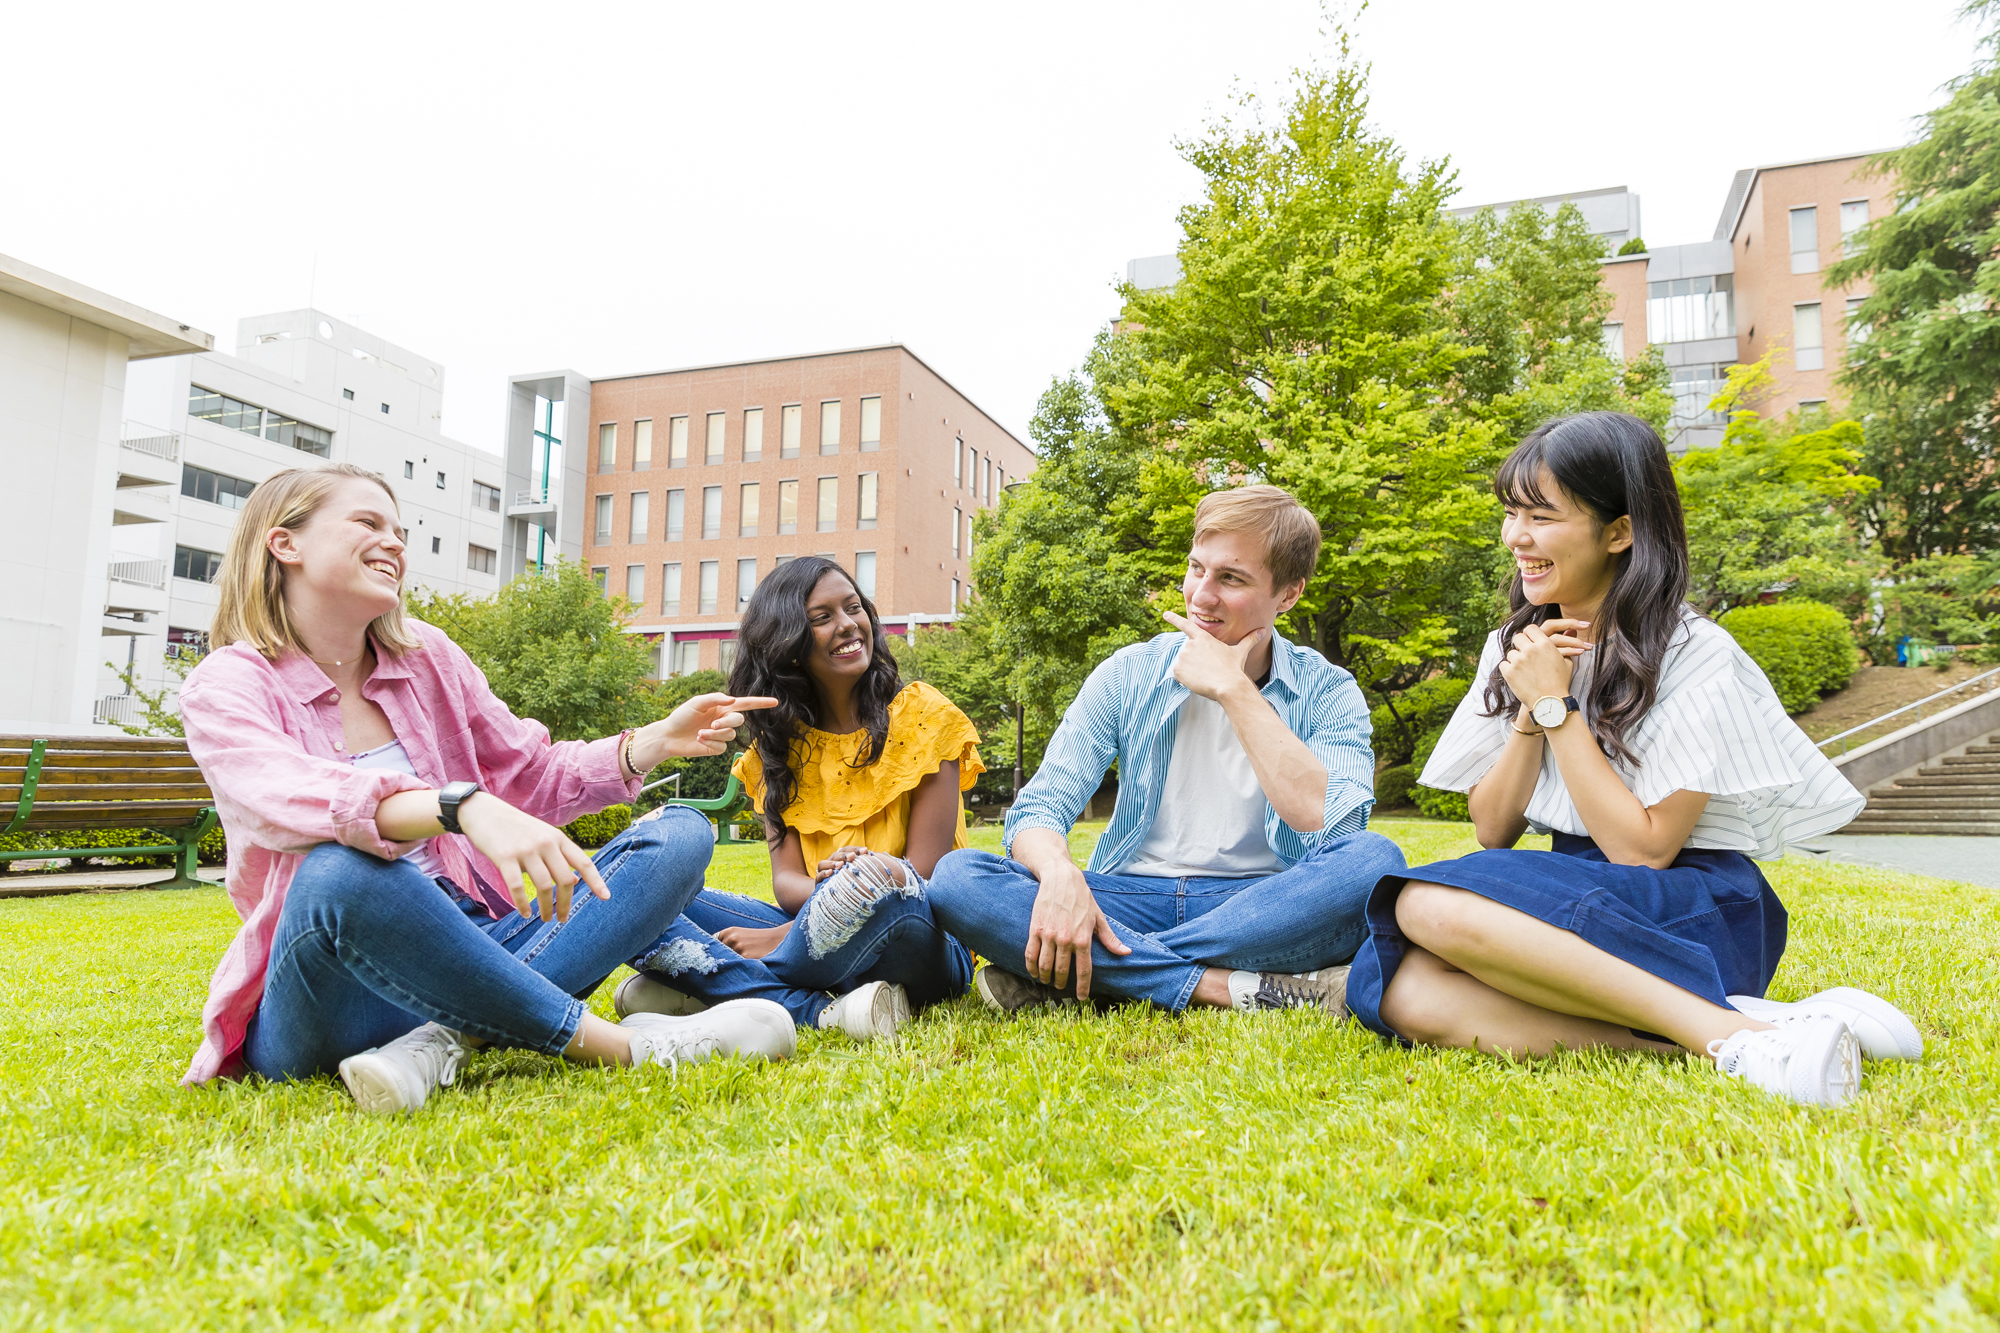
{"points": [[1815, 1061], [642, 994], [758, 1029], [1884, 1031], [867, 1012], [400, 1075]]}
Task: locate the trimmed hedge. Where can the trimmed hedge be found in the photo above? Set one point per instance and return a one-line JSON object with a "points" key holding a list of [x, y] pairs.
{"points": [[1392, 785], [1424, 707], [1804, 648], [600, 828], [1437, 804], [75, 845]]}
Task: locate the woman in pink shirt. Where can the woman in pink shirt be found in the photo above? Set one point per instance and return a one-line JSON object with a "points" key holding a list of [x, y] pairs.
{"points": [[395, 847]]}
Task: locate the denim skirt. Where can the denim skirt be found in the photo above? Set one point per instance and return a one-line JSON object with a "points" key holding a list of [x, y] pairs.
{"points": [[1709, 923]]}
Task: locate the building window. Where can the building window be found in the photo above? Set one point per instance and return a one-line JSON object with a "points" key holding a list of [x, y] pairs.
{"points": [[1001, 472], [1805, 239], [1857, 332], [676, 513], [485, 497], [1808, 343], [670, 589], [972, 471], [710, 571], [711, 512], [753, 434], [440, 484], [746, 509], [870, 499], [1688, 309], [677, 442], [957, 522], [200, 484], [642, 445], [479, 559], [201, 566], [864, 573], [958, 462], [954, 596], [348, 394], [829, 426], [1614, 340], [829, 502], [642, 507], [385, 409], [601, 576], [437, 546], [607, 447], [986, 478], [1694, 388], [746, 583], [603, 518], [1810, 407], [409, 470], [208, 405], [871, 425], [788, 430], [687, 657], [1853, 217], [968, 535], [725, 655], [715, 437], [635, 584], [788, 508]]}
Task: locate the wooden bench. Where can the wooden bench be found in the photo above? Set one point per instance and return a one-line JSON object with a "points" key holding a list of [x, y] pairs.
{"points": [[74, 783]]}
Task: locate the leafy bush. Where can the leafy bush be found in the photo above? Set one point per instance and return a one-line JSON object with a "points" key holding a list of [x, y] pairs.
{"points": [[211, 850], [1635, 246], [1435, 803], [1408, 716], [1392, 786], [1803, 647], [600, 828]]}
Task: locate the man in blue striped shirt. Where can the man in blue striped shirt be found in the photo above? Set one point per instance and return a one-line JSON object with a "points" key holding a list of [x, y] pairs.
{"points": [[1237, 863]]}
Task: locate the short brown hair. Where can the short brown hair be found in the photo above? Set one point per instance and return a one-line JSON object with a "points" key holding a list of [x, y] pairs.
{"points": [[251, 589], [1289, 530]]}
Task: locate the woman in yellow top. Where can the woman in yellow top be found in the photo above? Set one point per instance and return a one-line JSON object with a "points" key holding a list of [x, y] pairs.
{"points": [[857, 777]]}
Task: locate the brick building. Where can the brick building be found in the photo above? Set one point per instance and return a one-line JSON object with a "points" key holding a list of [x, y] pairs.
{"points": [[681, 489]]}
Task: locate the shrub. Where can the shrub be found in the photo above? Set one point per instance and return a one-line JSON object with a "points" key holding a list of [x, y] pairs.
{"points": [[1438, 804], [1635, 246], [1392, 786], [1804, 648], [600, 828], [1424, 707], [75, 844]]}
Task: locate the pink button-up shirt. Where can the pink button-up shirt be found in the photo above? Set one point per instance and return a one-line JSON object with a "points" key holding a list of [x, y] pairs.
{"points": [[268, 738]]}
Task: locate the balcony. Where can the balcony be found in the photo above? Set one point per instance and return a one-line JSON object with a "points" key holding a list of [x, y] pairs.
{"points": [[527, 504], [139, 573], [143, 501], [115, 710], [165, 445], [134, 590], [151, 459]]}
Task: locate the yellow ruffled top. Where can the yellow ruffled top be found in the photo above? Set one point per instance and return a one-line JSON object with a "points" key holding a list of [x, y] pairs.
{"points": [[839, 805]]}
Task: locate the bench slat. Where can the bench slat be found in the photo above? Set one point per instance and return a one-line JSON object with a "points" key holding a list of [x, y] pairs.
{"points": [[17, 760], [187, 773], [104, 744], [100, 792], [113, 814]]}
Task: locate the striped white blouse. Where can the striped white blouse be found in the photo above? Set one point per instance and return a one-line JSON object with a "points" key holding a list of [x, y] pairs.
{"points": [[1716, 726]]}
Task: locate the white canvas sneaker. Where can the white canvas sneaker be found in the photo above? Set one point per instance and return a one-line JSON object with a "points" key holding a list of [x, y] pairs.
{"points": [[1814, 1061], [641, 994], [399, 1076], [1884, 1031], [756, 1029], [867, 1012]]}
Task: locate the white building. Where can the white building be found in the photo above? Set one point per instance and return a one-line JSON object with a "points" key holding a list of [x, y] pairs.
{"points": [[71, 601], [303, 388]]}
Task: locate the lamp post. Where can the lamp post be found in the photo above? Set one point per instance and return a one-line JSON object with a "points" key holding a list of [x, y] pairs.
{"points": [[1018, 731]]}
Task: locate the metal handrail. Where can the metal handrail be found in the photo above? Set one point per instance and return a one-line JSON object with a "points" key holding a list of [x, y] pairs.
{"points": [[140, 573], [1918, 705], [166, 445]]}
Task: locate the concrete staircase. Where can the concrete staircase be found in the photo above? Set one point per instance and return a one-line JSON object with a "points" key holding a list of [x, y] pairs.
{"points": [[1958, 793]]}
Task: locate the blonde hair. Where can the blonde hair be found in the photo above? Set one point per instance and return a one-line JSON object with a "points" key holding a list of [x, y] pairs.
{"points": [[1290, 532], [252, 584]]}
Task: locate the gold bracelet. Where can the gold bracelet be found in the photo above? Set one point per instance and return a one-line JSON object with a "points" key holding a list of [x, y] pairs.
{"points": [[1518, 732], [625, 753]]}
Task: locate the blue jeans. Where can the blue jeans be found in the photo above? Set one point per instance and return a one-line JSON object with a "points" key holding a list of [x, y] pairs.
{"points": [[1298, 920], [845, 936], [366, 949]]}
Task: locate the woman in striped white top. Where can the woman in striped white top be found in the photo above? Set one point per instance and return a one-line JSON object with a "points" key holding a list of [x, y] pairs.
{"points": [[1651, 747]]}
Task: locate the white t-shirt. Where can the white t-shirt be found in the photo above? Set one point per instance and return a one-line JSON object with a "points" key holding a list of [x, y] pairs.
{"points": [[1210, 823], [1715, 726], [396, 759]]}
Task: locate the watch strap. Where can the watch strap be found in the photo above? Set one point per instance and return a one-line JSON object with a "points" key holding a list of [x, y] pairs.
{"points": [[450, 797]]}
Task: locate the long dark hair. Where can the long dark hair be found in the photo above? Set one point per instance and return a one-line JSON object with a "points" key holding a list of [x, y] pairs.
{"points": [[1614, 465], [773, 642]]}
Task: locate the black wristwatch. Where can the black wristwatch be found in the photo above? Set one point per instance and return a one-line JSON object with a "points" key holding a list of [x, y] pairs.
{"points": [[450, 797]]}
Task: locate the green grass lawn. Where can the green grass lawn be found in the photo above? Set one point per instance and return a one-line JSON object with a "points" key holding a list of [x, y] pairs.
{"points": [[1132, 1170]]}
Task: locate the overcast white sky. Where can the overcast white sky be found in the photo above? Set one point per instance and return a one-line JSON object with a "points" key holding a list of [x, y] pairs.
{"points": [[619, 187]]}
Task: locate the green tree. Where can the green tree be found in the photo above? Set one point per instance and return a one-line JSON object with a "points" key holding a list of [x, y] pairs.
{"points": [[1923, 359], [1772, 505], [554, 648]]}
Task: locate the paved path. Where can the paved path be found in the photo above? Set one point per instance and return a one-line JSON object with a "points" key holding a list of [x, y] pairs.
{"points": [[1972, 860], [89, 881]]}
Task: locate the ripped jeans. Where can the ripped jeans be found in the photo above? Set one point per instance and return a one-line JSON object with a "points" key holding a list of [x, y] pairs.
{"points": [[857, 927]]}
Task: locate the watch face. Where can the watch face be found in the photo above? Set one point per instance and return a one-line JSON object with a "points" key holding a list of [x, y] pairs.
{"points": [[1550, 712]]}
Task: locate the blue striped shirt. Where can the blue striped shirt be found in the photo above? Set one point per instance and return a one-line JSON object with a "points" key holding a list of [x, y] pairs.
{"points": [[1129, 710]]}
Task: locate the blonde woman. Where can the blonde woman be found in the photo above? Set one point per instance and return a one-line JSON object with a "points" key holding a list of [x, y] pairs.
{"points": [[395, 847]]}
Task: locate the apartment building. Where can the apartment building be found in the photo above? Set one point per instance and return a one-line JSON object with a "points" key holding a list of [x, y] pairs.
{"points": [[303, 389], [72, 602], [682, 489], [1755, 286]]}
